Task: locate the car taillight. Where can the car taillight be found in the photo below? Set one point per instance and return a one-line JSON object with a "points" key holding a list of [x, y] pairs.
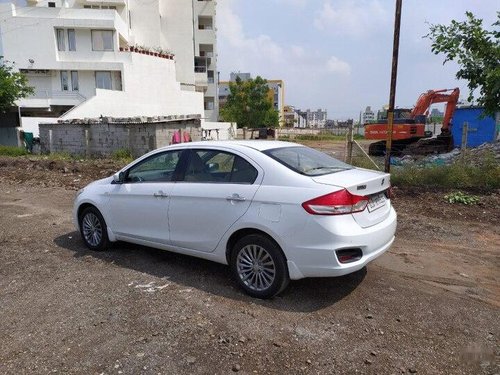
{"points": [[389, 193], [338, 203]]}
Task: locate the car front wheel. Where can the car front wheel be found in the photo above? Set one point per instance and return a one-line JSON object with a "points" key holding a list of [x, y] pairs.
{"points": [[93, 229], [259, 266]]}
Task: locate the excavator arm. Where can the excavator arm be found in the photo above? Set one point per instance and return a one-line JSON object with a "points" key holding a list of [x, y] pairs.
{"points": [[438, 96]]}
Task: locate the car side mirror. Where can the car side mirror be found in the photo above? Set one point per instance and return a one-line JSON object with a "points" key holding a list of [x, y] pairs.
{"points": [[118, 177]]}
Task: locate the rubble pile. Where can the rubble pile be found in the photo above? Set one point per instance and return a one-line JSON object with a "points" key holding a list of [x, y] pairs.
{"points": [[129, 120], [473, 156]]}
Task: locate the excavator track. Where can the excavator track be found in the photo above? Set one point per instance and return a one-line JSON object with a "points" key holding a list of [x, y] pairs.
{"points": [[426, 146]]}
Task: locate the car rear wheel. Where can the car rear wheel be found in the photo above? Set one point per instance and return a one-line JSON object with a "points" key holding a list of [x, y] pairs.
{"points": [[93, 229], [259, 266]]}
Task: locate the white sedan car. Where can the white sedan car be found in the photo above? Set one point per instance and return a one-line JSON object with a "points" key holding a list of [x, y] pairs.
{"points": [[273, 211]]}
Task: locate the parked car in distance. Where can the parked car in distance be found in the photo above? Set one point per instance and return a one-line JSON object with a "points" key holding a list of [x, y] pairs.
{"points": [[273, 211]]}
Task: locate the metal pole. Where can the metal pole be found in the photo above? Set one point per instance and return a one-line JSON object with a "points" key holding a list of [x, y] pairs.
{"points": [[392, 96]]}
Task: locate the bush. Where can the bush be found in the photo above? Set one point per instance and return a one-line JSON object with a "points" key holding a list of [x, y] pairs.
{"points": [[481, 174], [459, 197], [12, 151], [122, 154], [319, 137]]}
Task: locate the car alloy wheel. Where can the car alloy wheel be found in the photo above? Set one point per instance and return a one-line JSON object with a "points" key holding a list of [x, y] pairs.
{"points": [[259, 266], [93, 229], [256, 267]]}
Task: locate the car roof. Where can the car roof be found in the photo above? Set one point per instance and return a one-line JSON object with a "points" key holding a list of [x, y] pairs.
{"points": [[259, 145]]}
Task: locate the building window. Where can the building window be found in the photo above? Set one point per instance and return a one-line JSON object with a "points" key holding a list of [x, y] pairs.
{"points": [[64, 80], [100, 7], [102, 40], [74, 80], [210, 76], [60, 39], [71, 40], [205, 23], [209, 105], [52, 4], [103, 80]]}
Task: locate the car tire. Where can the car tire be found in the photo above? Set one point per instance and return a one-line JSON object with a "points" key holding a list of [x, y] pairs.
{"points": [[259, 266], [93, 229]]}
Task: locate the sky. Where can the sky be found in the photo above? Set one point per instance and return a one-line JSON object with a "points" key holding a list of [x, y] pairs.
{"points": [[336, 54]]}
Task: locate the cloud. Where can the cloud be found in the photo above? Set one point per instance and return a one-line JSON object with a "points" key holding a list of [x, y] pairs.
{"points": [[352, 18], [338, 66], [245, 49], [306, 69], [296, 3]]}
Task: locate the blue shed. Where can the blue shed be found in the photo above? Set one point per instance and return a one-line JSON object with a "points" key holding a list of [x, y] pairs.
{"points": [[480, 130]]}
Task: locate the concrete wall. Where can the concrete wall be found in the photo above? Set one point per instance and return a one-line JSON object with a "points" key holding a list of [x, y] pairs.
{"points": [[218, 131], [30, 124], [104, 139]]}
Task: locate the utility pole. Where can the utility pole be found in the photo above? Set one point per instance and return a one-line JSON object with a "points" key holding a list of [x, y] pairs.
{"points": [[392, 95]]}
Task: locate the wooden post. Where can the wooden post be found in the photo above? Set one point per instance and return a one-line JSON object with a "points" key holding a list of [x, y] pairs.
{"points": [[349, 145], [463, 148], [392, 95]]}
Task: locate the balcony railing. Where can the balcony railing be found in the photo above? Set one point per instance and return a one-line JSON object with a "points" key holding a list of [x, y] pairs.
{"points": [[53, 94]]}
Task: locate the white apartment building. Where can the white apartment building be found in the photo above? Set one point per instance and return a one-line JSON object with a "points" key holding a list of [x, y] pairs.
{"points": [[316, 119], [294, 118], [368, 115], [120, 58]]}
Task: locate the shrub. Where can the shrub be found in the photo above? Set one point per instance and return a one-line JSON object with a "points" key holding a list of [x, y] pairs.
{"points": [[122, 154], [459, 197], [12, 151], [483, 174]]}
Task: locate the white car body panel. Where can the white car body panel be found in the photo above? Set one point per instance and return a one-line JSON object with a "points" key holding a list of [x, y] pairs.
{"points": [[198, 223]]}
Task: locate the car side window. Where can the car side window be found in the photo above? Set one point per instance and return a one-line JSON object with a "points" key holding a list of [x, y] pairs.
{"points": [[243, 172], [218, 167], [157, 168]]}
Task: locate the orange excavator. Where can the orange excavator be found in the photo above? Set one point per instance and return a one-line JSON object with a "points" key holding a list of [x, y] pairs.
{"points": [[409, 135]]}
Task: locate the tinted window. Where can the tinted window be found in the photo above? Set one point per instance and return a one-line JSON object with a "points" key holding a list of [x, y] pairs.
{"points": [[157, 168], [218, 167], [307, 161]]}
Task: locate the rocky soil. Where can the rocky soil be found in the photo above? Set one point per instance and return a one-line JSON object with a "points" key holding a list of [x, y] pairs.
{"points": [[430, 305]]}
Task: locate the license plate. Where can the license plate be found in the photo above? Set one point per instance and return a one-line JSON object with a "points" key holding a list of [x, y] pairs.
{"points": [[376, 202]]}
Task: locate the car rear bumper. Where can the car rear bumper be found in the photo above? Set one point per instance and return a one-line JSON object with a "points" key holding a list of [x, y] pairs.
{"points": [[319, 259]]}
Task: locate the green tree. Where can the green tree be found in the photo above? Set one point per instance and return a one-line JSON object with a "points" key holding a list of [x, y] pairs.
{"points": [[249, 104], [477, 52], [13, 85]]}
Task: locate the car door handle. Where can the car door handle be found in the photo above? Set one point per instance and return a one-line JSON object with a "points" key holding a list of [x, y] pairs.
{"points": [[236, 197], [160, 194]]}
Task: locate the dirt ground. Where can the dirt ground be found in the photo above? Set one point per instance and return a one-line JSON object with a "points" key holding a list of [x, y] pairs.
{"points": [[430, 305]]}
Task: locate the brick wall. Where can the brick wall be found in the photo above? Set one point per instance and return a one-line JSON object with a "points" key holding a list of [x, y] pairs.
{"points": [[103, 139]]}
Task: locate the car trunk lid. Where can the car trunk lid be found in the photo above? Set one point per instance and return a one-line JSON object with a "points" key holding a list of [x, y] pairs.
{"points": [[364, 182]]}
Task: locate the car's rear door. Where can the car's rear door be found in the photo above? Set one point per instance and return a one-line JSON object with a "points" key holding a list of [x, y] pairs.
{"points": [[138, 207], [215, 191]]}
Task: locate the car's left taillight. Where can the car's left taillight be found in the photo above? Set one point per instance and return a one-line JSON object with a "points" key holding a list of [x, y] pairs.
{"points": [[338, 203]]}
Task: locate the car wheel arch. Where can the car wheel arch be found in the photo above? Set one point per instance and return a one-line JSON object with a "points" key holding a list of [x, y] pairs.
{"points": [[86, 204], [82, 208], [243, 232]]}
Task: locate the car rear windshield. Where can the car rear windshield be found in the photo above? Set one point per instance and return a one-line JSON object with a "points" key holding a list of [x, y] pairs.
{"points": [[307, 161]]}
